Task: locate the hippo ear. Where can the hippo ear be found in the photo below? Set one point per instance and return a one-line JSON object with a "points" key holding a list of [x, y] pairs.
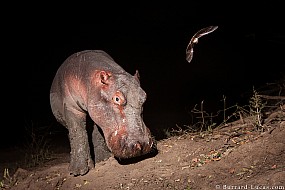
{"points": [[137, 76], [104, 76]]}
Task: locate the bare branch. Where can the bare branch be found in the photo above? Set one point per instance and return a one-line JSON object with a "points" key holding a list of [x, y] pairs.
{"points": [[272, 97]]}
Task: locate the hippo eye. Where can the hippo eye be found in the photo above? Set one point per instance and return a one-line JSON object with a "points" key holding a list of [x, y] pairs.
{"points": [[118, 98]]}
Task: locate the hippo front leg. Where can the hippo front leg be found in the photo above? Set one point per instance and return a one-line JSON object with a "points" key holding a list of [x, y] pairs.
{"points": [[80, 161], [101, 150]]}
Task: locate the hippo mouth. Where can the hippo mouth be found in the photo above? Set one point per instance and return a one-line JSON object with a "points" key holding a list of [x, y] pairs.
{"points": [[123, 146]]}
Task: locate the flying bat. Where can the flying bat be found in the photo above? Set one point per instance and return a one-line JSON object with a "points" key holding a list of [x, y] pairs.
{"points": [[194, 40]]}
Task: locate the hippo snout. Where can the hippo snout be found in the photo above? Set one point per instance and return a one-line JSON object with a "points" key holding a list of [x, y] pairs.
{"points": [[139, 148], [123, 146]]}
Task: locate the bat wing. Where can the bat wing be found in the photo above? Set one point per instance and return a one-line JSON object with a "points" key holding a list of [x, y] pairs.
{"points": [[194, 40]]}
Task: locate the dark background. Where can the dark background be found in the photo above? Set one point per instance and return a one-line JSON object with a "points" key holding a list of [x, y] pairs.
{"points": [[246, 51]]}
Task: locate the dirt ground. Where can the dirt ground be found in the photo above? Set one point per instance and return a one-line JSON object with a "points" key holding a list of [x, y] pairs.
{"points": [[235, 156]]}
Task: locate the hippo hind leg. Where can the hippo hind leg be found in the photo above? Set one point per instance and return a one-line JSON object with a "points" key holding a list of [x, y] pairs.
{"points": [[80, 158]]}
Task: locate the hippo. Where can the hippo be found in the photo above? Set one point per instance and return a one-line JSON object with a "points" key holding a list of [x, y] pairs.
{"points": [[91, 84]]}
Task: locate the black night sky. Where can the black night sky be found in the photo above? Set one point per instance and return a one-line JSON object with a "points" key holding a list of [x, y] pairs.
{"points": [[246, 50]]}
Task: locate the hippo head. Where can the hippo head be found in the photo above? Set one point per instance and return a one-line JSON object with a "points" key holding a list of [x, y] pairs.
{"points": [[117, 107]]}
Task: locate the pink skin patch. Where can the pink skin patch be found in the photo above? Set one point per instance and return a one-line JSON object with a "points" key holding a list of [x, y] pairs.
{"points": [[76, 89]]}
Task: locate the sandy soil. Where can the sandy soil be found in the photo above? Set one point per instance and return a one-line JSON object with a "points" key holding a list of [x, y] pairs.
{"points": [[235, 156]]}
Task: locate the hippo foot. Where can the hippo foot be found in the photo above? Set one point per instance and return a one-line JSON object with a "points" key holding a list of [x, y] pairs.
{"points": [[80, 166]]}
